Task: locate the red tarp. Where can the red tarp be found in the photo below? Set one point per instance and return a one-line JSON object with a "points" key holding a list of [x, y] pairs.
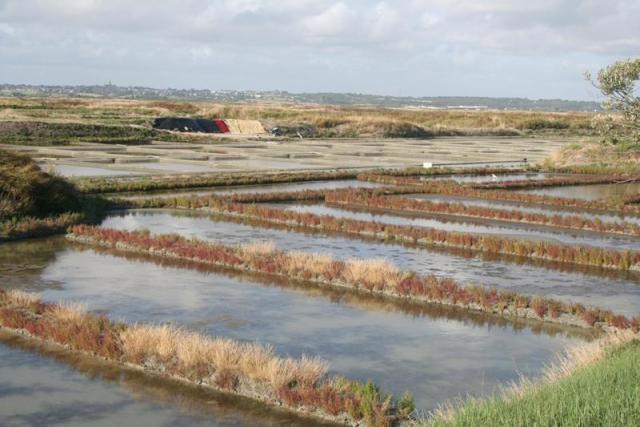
{"points": [[222, 126]]}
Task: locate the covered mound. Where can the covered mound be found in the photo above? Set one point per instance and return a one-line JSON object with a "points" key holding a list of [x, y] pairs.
{"points": [[187, 125]]}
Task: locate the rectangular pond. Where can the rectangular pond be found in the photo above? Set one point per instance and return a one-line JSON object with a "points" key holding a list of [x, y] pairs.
{"points": [[462, 224], [603, 288], [78, 170], [525, 207], [533, 176], [436, 354]]}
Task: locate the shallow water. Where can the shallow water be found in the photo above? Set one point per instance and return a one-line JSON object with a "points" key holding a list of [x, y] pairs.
{"points": [[256, 164], [590, 192], [524, 207], [42, 386], [490, 178], [613, 290], [75, 170], [176, 167], [435, 356], [269, 188], [477, 226]]}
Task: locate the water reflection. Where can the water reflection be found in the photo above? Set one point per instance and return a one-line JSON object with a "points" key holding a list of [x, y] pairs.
{"points": [[436, 353], [590, 192], [360, 300], [43, 385], [470, 225], [609, 289], [525, 207]]}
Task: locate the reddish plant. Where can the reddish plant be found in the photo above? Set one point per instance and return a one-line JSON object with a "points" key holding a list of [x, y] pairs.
{"points": [[372, 275]]}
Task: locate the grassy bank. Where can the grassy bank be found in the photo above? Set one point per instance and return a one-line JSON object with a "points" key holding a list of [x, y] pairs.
{"points": [[595, 385], [44, 133], [157, 183], [35, 204]]}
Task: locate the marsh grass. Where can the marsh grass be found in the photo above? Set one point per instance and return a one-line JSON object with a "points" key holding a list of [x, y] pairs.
{"points": [[592, 384]]}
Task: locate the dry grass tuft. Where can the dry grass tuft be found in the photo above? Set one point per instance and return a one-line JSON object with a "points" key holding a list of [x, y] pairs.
{"points": [[21, 298], [254, 249], [375, 273], [69, 312], [311, 263], [142, 342], [198, 356], [586, 354]]}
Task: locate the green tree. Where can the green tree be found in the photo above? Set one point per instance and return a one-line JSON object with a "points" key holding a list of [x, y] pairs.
{"points": [[621, 120]]}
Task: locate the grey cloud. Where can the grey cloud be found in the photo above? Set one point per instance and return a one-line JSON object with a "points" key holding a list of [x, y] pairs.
{"points": [[333, 44]]}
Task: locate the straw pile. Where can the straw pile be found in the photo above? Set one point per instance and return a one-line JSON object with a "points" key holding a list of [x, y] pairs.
{"points": [[244, 126]]}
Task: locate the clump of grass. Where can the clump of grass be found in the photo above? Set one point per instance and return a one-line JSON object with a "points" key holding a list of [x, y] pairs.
{"points": [[68, 312], [372, 274], [19, 298]]}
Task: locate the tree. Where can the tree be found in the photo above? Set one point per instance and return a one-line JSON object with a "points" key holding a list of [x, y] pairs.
{"points": [[617, 82]]}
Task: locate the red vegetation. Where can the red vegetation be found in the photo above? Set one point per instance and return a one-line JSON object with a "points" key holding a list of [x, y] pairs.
{"points": [[372, 199], [584, 255], [451, 188], [373, 276], [560, 181]]}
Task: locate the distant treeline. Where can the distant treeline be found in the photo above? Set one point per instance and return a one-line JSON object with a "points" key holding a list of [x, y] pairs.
{"points": [[344, 99]]}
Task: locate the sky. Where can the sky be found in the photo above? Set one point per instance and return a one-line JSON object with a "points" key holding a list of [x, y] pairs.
{"points": [[525, 48]]}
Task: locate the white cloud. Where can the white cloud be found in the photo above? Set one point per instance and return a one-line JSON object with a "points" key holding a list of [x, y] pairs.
{"points": [[349, 35]]}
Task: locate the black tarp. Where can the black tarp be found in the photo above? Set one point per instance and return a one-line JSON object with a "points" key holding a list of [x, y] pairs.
{"points": [[186, 125]]}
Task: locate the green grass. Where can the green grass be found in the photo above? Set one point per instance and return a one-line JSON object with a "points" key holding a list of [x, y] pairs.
{"points": [[606, 393]]}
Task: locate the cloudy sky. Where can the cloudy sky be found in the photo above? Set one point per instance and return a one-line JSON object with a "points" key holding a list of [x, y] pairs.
{"points": [[537, 49]]}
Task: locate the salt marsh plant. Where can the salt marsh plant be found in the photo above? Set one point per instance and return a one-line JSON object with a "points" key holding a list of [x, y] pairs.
{"points": [[452, 188], [374, 276], [373, 199], [542, 250]]}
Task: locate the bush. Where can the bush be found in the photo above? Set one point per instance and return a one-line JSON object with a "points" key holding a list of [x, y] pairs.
{"points": [[27, 191], [541, 124]]}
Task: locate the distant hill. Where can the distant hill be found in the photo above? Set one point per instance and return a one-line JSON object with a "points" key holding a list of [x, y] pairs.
{"points": [[342, 99]]}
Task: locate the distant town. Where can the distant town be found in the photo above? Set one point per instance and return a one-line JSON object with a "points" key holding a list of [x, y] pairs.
{"points": [[341, 99]]}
